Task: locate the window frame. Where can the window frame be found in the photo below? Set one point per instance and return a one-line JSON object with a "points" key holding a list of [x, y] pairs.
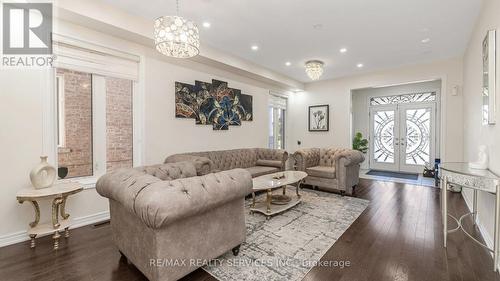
{"points": [[276, 111], [50, 105], [61, 127]]}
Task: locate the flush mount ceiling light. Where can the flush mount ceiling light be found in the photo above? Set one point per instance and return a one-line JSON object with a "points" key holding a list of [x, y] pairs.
{"points": [[176, 36], [314, 69], [343, 50]]}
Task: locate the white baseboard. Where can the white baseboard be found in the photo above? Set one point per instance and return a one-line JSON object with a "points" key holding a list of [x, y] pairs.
{"points": [[21, 236], [486, 236]]}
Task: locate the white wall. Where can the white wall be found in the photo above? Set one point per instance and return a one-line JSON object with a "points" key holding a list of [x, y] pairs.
{"points": [[337, 93], [361, 103], [166, 135], [476, 133], [21, 130]]}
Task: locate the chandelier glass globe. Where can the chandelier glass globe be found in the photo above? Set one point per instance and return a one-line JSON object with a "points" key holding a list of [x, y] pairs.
{"points": [[176, 37]]}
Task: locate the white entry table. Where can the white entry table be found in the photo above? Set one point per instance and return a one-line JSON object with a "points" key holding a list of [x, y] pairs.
{"points": [[477, 180], [60, 193]]}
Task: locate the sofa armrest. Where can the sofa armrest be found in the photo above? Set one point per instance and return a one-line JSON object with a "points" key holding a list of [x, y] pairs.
{"points": [[123, 185], [160, 204], [347, 164], [305, 158], [352, 157], [203, 165], [269, 154]]}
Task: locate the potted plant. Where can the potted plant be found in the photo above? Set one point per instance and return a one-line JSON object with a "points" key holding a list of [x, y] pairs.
{"points": [[359, 143]]}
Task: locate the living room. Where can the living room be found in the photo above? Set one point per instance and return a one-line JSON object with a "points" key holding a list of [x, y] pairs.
{"points": [[186, 148]]}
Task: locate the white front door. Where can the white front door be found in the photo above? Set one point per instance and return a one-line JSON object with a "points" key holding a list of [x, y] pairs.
{"points": [[402, 136]]}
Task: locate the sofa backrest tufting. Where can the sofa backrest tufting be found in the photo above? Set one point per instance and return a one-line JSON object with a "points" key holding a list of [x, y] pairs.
{"points": [[223, 160], [328, 156]]}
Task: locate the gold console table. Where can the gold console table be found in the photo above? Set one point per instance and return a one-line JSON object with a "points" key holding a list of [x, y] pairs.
{"points": [[477, 180], [59, 192]]}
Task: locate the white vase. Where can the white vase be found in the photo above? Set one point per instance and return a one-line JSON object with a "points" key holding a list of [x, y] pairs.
{"points": [[43, 175]]}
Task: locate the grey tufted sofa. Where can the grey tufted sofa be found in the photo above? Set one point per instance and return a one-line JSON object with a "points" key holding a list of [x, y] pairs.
{"points": [[257, 161], [330, 168], [166, 213]]}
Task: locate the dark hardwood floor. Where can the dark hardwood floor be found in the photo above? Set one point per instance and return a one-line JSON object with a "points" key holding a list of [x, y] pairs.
{"points": [[398, 237]]}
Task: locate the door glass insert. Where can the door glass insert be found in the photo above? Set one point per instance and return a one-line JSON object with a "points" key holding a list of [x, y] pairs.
{"points": [[418, 136], [384, 136], [406, 98]]}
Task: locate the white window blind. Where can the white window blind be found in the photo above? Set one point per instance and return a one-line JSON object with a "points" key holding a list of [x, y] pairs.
{"points": [[74, 54], [277, 101]]}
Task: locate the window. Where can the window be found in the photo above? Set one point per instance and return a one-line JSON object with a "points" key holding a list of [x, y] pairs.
{"points": [[407, 98], [94, 123], [90, 121], [277, 113], [74, 122]]}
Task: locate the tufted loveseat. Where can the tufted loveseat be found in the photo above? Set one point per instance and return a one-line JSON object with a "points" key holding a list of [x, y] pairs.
{"points": [[257, 161], [163, 217], [330, 168]]}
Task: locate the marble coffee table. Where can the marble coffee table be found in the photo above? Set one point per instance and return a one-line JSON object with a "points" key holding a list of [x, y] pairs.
{"points": [[277, 203]]}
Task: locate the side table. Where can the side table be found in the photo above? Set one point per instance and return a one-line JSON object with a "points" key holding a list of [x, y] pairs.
{"points": [[59, 192], [478, 181]]}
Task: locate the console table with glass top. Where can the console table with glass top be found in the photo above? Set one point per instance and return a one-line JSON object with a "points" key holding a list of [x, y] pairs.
{"points": [[477, 180]]}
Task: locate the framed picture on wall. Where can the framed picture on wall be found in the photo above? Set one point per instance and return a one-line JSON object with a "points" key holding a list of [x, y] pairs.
{"points": [[319, 118]]}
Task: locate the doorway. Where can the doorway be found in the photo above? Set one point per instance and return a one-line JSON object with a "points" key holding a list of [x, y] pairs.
{"points": [[402, 132]]}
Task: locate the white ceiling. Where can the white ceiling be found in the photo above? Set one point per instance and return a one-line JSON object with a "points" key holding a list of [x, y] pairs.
{"points": [[378, 33]]}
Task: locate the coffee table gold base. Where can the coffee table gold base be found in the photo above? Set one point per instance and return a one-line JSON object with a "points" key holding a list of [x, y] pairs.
{"points": [[274, 204]]}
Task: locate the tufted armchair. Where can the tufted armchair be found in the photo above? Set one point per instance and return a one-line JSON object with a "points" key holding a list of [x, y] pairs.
{"points": [[330, 168], [257, 161], [165, 213]]}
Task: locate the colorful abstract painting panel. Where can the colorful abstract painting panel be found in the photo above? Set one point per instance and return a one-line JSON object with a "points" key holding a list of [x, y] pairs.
{"points": [[212, 104]]}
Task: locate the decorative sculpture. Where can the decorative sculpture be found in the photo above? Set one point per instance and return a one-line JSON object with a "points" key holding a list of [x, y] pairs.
{"points": [[482, 162], [212, 104]]}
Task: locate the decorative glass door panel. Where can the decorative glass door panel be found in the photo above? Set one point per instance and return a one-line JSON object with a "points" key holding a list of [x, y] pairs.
{"points": [[402, 136], [418, 141], [384, 127]]}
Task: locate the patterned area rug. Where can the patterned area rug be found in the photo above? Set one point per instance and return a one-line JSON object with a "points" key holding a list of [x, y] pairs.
{"points": [[288, 245]]}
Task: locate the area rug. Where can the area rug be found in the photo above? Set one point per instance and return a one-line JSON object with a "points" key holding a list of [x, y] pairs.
{"points": [[399, 175], [289, 244]]}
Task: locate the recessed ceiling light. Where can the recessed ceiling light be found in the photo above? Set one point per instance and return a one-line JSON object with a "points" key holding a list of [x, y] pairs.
{"points": [[359, 65], [318, 26], [206, 24], [426, 40], [255, 47], [288, 63], [343, 50]]}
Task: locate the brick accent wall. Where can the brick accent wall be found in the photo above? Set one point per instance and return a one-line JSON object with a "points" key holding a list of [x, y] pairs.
{"points": [[76, 154], [119, 118]]}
